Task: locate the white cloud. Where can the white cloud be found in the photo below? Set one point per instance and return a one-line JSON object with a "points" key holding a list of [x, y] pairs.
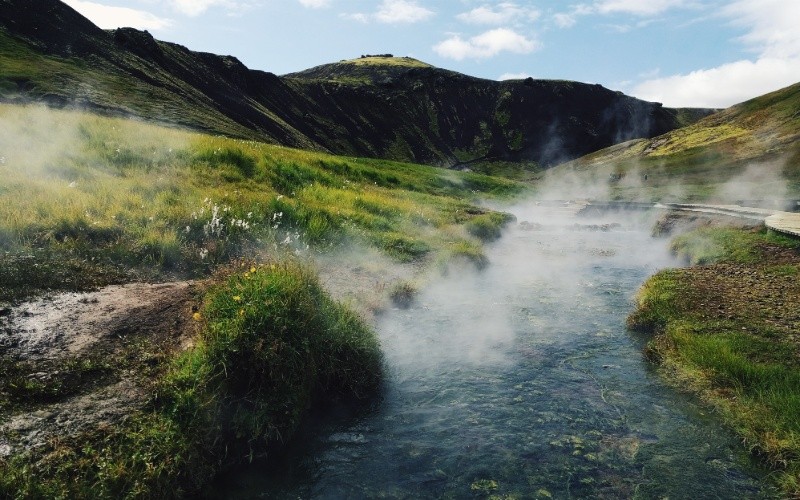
{"points": [[485, 45], [109, 17], [772, 25], [503, 13], [402, 11], [514, 76], [358, 16], [193, 8], [641, 8], [564, 20], [637, 7], [315, 4], [393, 12], [771, 34], [722, 86]]}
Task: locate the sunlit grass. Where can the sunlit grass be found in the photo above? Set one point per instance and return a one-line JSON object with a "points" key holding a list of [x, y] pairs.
{"points": [[142, 196]]}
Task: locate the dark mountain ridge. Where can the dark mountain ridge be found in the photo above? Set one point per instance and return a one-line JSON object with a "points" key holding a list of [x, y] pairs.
{"points": [[386, 107]]}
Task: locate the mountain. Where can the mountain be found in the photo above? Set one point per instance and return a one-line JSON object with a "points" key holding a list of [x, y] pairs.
{"points": [[377, 106], [746, 153]]}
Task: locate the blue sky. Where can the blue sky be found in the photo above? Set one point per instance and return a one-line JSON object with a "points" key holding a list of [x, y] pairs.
{"points": [[706, 53]]}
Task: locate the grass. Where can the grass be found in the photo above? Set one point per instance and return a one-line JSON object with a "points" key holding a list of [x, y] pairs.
{"points": [[115, 197], [272, 345], [488, 227], [388, 61], [728, 332], [711, 245]]}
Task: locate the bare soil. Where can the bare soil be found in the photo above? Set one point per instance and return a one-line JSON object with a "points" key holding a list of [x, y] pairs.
{"points": [[76, 361]]}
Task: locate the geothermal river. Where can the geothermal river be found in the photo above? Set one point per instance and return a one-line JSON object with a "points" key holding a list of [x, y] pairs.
{"points": [[521, 380]]}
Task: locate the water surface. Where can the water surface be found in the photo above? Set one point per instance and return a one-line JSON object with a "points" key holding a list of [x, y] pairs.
{"points": [[522, 381]]}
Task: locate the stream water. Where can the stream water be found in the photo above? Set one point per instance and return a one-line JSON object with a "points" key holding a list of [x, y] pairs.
{"points": [[521, 381]]}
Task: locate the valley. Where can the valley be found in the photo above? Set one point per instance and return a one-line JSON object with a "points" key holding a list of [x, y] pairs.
{"points": [[380, 278]]}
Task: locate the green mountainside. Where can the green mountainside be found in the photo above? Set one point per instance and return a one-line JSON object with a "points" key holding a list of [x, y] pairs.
{"points": [[747, 152], [376, 106]]}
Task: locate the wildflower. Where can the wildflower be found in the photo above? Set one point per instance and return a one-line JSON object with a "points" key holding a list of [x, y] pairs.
{"points": [[197, 316], [73, 184], [188, 229], [203, 254], [237, 298], [249, 215], [241, 312], [252, 269]]}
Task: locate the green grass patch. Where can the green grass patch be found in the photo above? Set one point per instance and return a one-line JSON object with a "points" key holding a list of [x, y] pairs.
{"points": [[711, 245], [108, 194], [488, 227], [728, 333], [272, 344]]}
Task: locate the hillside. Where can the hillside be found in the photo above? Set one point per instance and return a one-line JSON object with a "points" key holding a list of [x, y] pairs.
{"points": [[746, 153], [395, 108]]}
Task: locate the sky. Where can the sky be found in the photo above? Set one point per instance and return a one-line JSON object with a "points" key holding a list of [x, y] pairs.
{"points": [[682, 53]]}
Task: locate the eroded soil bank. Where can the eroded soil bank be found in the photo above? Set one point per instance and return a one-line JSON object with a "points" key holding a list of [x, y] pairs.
{"points": [[76, 361]]}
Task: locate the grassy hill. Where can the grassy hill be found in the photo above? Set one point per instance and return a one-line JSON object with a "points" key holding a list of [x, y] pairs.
{"points": [[137, 197], [380, 107], [748, 152]]}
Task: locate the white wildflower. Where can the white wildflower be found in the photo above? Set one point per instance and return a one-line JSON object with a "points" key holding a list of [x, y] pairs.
{"points": [[203, 254], [73, 184]]}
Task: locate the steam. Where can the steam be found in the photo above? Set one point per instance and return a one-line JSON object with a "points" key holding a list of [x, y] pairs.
{"points": [[543, 272], [759, 182]]}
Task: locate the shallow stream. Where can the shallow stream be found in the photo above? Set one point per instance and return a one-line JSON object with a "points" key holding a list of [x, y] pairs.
{"points": [[521, 380]]}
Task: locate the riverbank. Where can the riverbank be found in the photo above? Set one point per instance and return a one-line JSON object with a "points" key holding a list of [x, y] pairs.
{"points": [[727, 329], [158, 411]]}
